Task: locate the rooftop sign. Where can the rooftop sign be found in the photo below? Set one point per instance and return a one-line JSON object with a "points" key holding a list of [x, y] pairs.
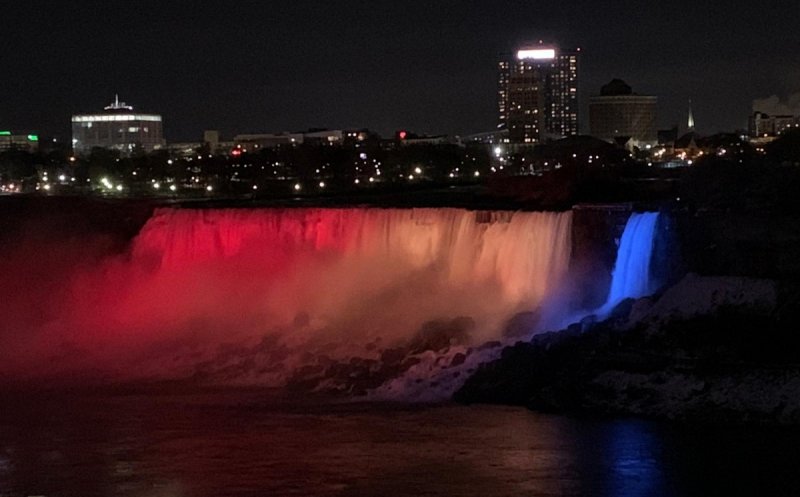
{"points": [[537, 54], [116, 117]]}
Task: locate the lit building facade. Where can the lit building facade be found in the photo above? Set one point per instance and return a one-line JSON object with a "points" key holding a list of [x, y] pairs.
{"points": [[619, 113], [765, 126], [332, 137], [537, 94], [117, 128], [11, 140]]}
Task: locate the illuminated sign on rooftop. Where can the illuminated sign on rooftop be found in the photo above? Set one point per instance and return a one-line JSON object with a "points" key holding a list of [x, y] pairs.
{"points": [[537, 54], [116, 117]]}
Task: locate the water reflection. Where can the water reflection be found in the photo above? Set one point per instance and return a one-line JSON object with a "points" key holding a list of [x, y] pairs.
{"points": [[240, 444], [635, 457]]}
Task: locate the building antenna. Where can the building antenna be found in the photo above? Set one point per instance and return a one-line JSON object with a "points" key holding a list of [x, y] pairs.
{"points": [[117, 105]]}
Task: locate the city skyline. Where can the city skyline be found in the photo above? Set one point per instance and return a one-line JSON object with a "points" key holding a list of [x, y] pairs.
{"points": [[383, 66]]}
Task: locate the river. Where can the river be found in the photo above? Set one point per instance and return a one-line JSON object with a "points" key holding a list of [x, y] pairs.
{"points": [[245, 443]]}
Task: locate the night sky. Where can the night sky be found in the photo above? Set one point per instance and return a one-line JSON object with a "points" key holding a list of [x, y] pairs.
{"points": [[428, 66]]}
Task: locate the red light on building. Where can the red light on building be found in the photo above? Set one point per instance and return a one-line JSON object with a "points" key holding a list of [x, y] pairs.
{"points": [[402, 135], [236, 152]]}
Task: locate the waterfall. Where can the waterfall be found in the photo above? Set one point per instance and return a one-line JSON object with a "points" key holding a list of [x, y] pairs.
{"points": [[631, 275], [523, 253], [252, 296]]}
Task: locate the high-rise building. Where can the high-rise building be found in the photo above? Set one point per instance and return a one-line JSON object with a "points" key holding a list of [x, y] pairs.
{"points": [[620, 113], [117, 128], [538, 94]]}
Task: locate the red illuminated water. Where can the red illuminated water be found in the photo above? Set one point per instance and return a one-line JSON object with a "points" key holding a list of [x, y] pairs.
{"points": [[244, 296]]}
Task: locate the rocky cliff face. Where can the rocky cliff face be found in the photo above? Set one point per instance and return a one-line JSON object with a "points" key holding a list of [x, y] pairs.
{"points": [[708, 349]]}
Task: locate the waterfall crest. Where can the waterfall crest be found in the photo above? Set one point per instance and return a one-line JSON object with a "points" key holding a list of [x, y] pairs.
{"points": [[526, 253]]}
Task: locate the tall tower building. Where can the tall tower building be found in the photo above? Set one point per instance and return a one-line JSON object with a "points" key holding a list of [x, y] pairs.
{"points": [[538, 94]]}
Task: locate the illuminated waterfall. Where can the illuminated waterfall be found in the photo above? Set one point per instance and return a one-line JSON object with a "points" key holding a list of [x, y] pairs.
{"points": [[524, 253], [631, 274], [230, 289]]}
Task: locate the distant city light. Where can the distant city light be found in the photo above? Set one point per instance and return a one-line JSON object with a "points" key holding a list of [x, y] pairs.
{"points": [[209, 188], [322, 184], [477, 173], [156, 185], [297, 187], [418, 170], [173, 187]]}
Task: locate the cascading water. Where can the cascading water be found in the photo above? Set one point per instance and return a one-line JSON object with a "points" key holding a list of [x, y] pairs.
{"points": [[267, 296], [631, 275]]}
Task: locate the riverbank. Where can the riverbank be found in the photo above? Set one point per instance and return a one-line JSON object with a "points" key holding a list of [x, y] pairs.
{"points": [[709, 349]]}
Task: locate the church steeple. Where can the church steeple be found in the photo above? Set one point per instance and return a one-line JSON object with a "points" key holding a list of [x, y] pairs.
{"points": [[690, 123]]}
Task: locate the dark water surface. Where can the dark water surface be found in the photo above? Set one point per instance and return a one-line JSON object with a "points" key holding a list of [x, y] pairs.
{"points": [[237, 443]]}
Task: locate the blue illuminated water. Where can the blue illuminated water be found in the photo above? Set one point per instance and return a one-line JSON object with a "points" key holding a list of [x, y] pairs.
{"points": [[631, 275]]}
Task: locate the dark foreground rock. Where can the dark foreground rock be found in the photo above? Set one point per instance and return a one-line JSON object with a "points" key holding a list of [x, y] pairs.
{"points": [[729, 353]]}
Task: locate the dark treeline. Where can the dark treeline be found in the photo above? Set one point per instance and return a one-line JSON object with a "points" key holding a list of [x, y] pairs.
{"points": [[576, 169], [314, 168]]}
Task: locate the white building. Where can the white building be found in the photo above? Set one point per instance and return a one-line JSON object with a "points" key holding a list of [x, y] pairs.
{"points": [[119, 128]]}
